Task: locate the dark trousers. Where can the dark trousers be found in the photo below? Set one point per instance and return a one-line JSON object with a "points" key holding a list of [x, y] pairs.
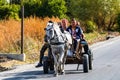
{"points": [[42, 51], [86, 48], [74, 44]]}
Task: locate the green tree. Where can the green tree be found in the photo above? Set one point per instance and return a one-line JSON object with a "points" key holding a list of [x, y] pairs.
{"points": [[118, 22], [15, 1], [3, 2], [9, 11], [55, 8], [32, 7], [43, 8], [102, 12]]}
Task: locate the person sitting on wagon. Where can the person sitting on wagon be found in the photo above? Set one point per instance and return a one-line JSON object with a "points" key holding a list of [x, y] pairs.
{"points": [[42, 51], [77, 35], [63, 25], [86, 47]]}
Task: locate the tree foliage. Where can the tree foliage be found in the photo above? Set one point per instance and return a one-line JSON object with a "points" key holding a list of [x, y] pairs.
{"points": [[43, 8], [55, 8], [15, 1], [3, 2], [32, 7], [102, 12], [40, 8], [7, 11], [118, 22], [90, 26]]}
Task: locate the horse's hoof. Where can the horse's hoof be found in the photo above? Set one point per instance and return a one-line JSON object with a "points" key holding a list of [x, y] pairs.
{"points": [[55, 75], [63, 73]]}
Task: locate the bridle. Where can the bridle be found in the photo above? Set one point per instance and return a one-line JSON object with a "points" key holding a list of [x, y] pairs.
{"points": [[50, 29]]}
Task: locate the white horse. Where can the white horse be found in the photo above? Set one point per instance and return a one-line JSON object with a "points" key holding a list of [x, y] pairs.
{"points": [[58, 42]]}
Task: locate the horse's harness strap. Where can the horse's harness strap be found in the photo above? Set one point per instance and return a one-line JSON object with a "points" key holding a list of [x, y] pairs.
{"points": [[59, 43]]}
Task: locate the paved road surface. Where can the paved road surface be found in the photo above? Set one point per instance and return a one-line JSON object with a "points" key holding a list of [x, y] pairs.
{"points": [[106, 66]]}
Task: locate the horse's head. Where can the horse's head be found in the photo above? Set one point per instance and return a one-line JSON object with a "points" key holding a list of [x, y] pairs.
{"points": [[50, 30], [54, 34]]}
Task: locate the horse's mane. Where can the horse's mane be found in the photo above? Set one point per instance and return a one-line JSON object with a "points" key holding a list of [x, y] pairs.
{"points": [[57, 29]]}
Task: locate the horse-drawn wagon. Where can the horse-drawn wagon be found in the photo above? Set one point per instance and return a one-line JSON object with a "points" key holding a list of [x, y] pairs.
{"points": [[83, 59], [67, 55]]}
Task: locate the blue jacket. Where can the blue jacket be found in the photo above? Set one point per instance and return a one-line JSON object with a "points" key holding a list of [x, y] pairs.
{"points": [[78, 31]]}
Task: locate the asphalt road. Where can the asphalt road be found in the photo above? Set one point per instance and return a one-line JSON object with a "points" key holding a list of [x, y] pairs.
{"points": [[106, 66]]}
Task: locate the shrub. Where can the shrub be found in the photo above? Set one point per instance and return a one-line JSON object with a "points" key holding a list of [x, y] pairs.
{"points": [[14, 11], [118, 22], [9, 11], [3, 2], [90, 26]]}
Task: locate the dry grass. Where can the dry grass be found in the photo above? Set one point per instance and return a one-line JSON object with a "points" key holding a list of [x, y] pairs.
{"points": [[95, 37], [33, 35]]}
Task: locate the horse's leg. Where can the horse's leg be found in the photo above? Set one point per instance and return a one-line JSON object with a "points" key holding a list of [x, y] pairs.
{"points": [[61, 59], [65, 53], [63, 63], [56, 65], [55, 62], [62, 68]]}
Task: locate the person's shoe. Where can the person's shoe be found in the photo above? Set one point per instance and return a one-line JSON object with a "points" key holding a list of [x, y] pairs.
{"points": [[39, 65]]}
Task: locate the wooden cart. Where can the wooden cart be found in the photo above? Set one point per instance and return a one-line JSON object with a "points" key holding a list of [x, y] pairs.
{"points": [[80, 57]]}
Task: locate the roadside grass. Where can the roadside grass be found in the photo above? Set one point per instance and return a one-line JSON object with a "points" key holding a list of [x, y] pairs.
{"points": [[33, 36], [95, 37]]}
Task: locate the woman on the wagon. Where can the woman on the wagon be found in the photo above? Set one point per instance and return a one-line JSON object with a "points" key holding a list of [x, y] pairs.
{"points": [[77, 34]]}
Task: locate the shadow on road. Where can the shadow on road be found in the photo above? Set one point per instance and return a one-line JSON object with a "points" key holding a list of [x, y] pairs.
{"points": [[29, 75], [36, 74], [74, 71]]}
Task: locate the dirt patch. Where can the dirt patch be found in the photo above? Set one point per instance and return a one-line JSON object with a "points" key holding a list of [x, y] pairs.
{"points": [[3, 59], [8, 64]]}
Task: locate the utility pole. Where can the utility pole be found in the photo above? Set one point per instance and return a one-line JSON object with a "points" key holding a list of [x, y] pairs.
{"points": [[22, 27]]}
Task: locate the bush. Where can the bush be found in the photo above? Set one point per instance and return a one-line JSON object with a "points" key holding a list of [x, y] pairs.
{"points": [[14, 11], [32, 8], [44, 8], [9, 11], [118, 22], [3, 11], [39, 8], [3, 2], [90, 26]]}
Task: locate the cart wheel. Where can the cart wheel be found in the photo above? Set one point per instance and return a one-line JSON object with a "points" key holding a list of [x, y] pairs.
{"points": [[90, 60], [52, 65], [45, 65], [85, 63]]}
